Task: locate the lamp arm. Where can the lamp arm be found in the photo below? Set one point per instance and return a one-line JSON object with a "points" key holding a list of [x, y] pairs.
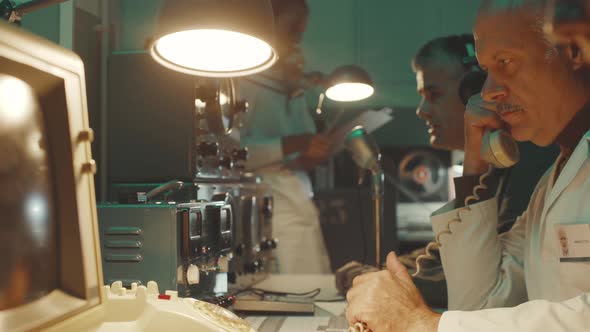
{"points": [[14, 14], [34, 5], [318, 108]]}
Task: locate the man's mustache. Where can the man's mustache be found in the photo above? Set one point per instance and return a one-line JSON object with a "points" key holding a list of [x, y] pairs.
{"points": [[501, 108]]}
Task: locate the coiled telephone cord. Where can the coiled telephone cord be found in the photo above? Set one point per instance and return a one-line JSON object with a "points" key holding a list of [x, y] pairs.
{"points": [[436, 243], [359, 327]]}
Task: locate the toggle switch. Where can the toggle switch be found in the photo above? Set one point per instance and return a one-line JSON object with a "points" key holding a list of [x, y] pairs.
{"points": [[86, 135], [89, 167], [193, 274]]}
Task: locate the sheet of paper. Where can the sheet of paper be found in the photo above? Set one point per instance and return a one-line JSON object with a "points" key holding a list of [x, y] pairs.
{"points": [[334, 308]]}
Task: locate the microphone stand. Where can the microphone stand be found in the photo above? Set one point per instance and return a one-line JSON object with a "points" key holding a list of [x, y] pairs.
{"points": [[378, 180], [367, 156]]}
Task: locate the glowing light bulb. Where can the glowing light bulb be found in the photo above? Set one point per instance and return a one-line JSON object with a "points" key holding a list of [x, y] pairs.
{"points": [[349, 92], [210, 52]]}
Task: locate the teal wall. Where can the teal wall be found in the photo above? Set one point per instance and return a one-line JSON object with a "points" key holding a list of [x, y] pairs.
{"points": [[380, 35], [44, 22], [136, 24]]}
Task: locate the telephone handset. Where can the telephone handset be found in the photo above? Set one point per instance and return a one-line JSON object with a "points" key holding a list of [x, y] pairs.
{"points": [[499, 149]]}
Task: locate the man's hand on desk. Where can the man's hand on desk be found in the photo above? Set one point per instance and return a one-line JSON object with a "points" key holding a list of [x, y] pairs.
{"points": [[348, 272], [431, 270], [313, 149], [389, 301]]}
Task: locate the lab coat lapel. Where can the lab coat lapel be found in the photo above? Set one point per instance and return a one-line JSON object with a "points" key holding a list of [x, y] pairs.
{"points": [[570, 170]]}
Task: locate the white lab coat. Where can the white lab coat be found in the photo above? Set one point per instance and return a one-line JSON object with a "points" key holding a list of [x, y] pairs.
{"points": [[518, 273], [296, 224]]}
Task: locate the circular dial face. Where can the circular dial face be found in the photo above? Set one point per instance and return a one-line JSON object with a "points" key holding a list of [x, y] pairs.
{"points": [[422, 173], [224, 319]]}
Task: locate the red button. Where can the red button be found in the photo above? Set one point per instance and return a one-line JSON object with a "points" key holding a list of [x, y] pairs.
{"points": [[163, 297]]}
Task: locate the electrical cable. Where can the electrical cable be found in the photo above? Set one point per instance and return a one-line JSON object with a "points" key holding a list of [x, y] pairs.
{"points": [[337, 299], [359, 327], [262, 292]]}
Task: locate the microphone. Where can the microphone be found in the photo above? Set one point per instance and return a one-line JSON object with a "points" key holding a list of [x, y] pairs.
{"points": [[364, 149]]}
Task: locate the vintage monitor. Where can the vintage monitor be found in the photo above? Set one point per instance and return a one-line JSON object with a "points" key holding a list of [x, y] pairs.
{"points": [[50, 271], [49, 258]]}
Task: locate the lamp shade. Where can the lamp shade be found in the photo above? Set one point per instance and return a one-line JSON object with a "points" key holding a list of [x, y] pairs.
{"points": [[215, 38], [349, 83]]}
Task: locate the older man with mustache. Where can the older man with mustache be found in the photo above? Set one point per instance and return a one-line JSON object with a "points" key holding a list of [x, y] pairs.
{"points": [[516, 281]]}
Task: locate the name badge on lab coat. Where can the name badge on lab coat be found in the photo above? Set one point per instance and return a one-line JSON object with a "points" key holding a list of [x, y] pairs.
{"points": [[573, 242]]}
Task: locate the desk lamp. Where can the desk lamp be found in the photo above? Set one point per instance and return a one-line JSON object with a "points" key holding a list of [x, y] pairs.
{"points": [[347, 83]]}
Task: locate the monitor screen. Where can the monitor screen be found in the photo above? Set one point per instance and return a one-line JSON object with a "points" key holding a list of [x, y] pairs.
{"points": [[28, 236], [49, 265]]}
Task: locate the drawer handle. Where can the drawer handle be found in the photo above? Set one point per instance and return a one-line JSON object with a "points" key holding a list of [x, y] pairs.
{"points": [[123, 244], [123, 231], [124, 258]]}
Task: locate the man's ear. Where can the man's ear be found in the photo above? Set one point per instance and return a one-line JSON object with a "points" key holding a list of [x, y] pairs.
{"points": [[574, 53]]}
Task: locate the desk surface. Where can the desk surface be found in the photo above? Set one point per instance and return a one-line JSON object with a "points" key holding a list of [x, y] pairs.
{"points": [[330, 306]]}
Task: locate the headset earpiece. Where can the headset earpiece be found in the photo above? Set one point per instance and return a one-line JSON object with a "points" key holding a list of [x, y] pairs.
{"points": [[470, 60], [471, 84], [473, 80]]}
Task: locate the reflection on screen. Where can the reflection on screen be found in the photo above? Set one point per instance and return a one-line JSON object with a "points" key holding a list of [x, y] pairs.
{"points": [[28, 236]]}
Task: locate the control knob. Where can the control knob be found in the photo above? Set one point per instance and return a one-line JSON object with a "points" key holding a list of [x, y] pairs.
{"points": [[208, 149]]}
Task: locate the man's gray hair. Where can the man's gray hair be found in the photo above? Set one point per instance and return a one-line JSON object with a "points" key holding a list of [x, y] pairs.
{"points": [[534, 8]]}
